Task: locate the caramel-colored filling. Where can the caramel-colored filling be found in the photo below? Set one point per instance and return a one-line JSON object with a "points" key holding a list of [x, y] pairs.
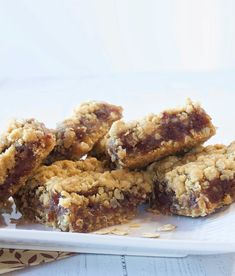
{"points": [[24, 163], [100, 215], [166, 200], [162, 199], [94, 213], [219, 188], [84, 128], [104, 114], [171, 128]]}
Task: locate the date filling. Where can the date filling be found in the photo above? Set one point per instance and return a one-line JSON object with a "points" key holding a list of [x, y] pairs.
{"points": [[24, 163], [166, 200], [94, 213], [171, 128]]}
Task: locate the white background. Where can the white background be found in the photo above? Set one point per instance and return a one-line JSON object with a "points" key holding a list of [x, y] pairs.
{"points": [[72, 38]]}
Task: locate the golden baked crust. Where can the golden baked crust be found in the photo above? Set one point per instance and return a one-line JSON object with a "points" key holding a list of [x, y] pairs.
{"points": [[77, 135], [137, 144], [64, 169], [23, 147], [85, 201], [197, 183]]}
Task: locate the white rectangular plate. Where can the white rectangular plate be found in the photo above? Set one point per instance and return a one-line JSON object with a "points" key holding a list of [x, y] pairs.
{"points": [[210, 235], [139, 94]]}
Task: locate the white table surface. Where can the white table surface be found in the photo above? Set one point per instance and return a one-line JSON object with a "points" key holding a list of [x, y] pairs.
{"points": [[52, 100]]}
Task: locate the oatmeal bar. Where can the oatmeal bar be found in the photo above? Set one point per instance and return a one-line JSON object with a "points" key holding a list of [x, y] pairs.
{"points": [[196, 184], [137, 144], [22, 149], [84, 202], [77, 135]]}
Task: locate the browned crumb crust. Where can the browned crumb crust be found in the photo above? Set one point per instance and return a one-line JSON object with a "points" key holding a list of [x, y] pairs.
{"points": [[84, 202], [77, 135], [23, 147], [139, 143], [196, 184], [66, 168]]}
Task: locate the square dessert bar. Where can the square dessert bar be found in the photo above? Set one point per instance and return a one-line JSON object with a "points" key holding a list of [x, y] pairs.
{"points": [[23, 147], [137, 144], [196, 184], [77, 135], [85, 201]]}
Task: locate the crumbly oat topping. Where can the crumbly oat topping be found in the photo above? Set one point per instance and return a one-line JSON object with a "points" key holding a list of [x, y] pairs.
{"points": [[21, 132], [22, 148], [204, 163], [77, 135], [138, 143], [66, 168], [99, 188], [198, 182], [142, 128]]}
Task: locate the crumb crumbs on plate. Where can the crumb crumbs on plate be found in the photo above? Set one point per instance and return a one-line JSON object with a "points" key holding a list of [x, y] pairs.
{"points": [[151, 235], [119, 232], [103, 232], [167, 228]]}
